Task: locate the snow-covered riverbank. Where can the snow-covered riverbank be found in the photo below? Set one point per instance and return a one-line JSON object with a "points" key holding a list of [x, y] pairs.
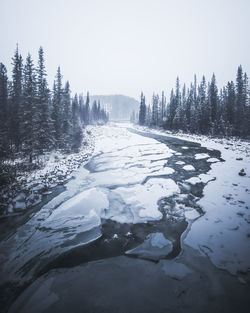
{"points": [[54, 169], [223, 233]]}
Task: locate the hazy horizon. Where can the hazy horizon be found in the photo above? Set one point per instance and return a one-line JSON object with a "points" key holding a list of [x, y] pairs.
{"points": [[125, 47]]}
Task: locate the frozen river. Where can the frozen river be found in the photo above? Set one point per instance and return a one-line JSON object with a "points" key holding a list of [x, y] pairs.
{"points": [[136, 197]]}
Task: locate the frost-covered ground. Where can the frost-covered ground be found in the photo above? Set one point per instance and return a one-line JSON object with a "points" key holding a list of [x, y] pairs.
{"points": [[223, 232]]}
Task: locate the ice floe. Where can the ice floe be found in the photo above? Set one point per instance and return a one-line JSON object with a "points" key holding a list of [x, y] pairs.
{"points": [[188, 168], [200, 156], [155, 247]]}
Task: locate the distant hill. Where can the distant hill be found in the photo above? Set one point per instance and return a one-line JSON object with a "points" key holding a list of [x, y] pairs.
{"points": [[119, 107]]}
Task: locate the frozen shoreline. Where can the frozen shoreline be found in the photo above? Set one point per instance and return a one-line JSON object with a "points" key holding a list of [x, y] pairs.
{"points": [[223, 233], [30, 187]]}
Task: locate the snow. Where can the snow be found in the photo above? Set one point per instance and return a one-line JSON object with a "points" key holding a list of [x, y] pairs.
{"points": [[165, 171], [141, 199], [200, 156], [20, 206], [188, 168], [180, 163], [213, 160], [193, 180]]}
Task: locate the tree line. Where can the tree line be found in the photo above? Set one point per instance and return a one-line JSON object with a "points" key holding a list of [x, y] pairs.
{"points": [[202, 108], [34, 119]]}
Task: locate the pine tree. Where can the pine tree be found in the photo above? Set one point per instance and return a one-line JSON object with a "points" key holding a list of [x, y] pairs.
{"points": [[57, 109], [29, 110], [4, 142], [87, 111], [76, 128], [142, 111], [16, 100], [246, 119], [190, 100], [94, 112], [148, 115], [240, 99], [99, 111], [155, 110], [230, 102], [44, 123], [177, 106], [66, 118], [172, 110], [162, 109], [203, 104], [213, 103]]}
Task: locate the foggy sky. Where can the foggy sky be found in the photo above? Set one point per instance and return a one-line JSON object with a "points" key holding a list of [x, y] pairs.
{"points": [[126, 46]]}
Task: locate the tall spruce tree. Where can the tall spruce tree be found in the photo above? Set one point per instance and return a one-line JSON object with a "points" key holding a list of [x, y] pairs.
{"points": [[155, 110], [16, 94], [45, 139], [76, 128], [4, 134], [213, 103], [87, 111], [29, 119], [240, 99], [57, 109], [142, 111], [230, 103], [66, 118], [203, 104]]}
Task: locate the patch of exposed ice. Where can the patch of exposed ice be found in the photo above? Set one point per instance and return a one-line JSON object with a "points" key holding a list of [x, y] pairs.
{"points": [[193, 180], [191, 214], [155, 247], [200, 156], [174, 269], [188, 168], [180, 163], [165, 171], [184, 148], [213, 160], [138, 203], [205, 178], [86, 203]]}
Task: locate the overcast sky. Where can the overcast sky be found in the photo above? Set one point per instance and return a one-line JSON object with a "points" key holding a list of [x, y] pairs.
{"points": [[125, 46]]}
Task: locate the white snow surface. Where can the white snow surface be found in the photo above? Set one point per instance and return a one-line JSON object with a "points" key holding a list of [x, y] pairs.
{"points": [[213, 160], [188, 168], [200, 156], [180, 163], [223, 233]]}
